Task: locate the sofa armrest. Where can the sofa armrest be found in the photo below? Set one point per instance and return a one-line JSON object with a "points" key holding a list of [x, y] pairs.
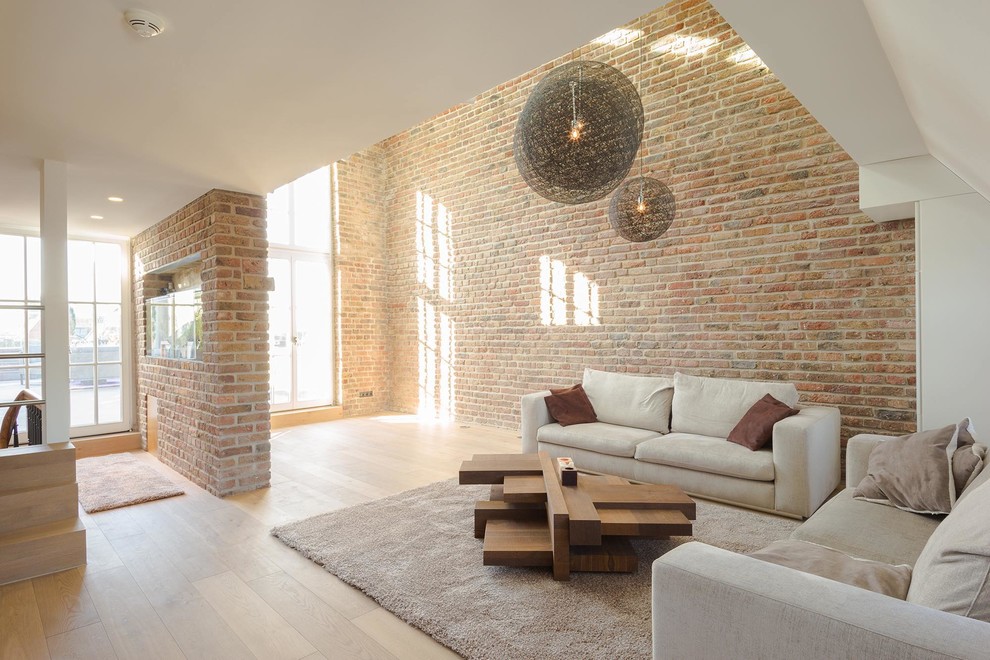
{"points": [[858, 456], [713, 603], [533, 415], [806, 459]]}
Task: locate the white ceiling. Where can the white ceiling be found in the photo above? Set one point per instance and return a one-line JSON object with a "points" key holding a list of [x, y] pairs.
{"points": [[244, 94], [888, 79]]}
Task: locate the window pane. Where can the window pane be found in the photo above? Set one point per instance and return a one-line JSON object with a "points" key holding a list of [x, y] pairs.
{"points": [[81, 392], [33, 268], [34, 332], [81, 333], [160, 330], [313, 332], [12, 380], [311, 210], [278, 216], [11, 268], [280, 331], [34, 382], [108, 393], [108, 333], [80, 271], [12, 338], [185, 332], [108, 267]]}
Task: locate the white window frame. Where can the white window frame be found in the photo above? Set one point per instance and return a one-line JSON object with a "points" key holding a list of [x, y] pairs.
{"points": [[126, 347], [290, 251]]}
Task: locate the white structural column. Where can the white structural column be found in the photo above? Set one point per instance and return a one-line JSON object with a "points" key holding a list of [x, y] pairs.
{"points": [[55, 298]]}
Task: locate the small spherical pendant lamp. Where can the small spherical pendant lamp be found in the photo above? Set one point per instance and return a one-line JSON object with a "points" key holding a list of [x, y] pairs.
{"points": [[579, 132], [641, 209]]}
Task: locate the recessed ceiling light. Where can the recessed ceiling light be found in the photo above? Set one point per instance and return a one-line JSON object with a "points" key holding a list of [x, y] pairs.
{"points": [[96, 217], [115, 199]]}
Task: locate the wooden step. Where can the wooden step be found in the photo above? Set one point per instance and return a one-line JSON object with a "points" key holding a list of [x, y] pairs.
{"points": [[518, 543], [37, 466], [531, 489], [492, 468], [484, 511], [30, 507], [42, 549], [656, 523]]}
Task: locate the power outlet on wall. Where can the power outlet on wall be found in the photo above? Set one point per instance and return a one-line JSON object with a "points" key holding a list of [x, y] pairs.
{"points": [[364, 395]]}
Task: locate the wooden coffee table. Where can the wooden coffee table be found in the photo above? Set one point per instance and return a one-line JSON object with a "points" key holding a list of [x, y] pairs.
{"points": [[533, 520]]}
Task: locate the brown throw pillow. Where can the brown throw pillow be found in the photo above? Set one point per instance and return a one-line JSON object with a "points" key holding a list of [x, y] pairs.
{"points": [[570, 406], [916, 472], [816, 559], [755, 429]]}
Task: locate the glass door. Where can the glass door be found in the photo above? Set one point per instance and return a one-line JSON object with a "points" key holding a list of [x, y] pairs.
{"points": [[300, 337]]}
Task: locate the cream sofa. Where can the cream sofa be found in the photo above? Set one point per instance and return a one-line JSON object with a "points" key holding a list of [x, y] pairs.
{"points": [[767, 611], [673, 430]]}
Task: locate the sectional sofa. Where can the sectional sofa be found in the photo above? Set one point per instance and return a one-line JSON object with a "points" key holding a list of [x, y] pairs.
{"points": [[713, 603], [673, 430]]}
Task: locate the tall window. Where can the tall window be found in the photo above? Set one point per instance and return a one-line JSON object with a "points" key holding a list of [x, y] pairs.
{"points": [[98, 360], [96, 355], [300, 319], [21, 360]]}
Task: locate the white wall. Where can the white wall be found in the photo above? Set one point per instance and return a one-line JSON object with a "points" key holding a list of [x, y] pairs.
{"points": [[954, 312]]}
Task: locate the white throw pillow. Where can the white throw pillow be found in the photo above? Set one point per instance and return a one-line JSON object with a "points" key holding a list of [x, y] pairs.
{"points": [[713, 406], [642, 402], [952, 572]]}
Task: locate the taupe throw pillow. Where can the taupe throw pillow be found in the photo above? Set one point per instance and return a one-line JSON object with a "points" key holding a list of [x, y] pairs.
{"points": [[816, 559], [914, 472], [967, 462]]}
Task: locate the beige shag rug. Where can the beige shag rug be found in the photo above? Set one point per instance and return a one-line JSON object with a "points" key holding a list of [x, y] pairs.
{"points": [[109, 482], [415, 553]]}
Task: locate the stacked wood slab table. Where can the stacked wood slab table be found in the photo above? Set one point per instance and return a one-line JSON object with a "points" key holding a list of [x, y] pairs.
{"points": [[533, 520]]}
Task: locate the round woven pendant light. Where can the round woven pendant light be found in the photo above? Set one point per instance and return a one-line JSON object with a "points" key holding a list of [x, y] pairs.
{"points": [[578, 134], [641, 209]]}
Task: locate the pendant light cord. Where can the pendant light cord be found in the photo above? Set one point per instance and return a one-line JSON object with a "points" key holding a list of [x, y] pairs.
{"points": [[642, 62]]}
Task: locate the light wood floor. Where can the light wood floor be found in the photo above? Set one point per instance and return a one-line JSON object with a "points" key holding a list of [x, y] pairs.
{"points": [[199, 577]]}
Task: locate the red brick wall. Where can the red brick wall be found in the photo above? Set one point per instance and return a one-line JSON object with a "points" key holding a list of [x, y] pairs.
{"points": [[359, 257], [213, 418], [768, 272]]}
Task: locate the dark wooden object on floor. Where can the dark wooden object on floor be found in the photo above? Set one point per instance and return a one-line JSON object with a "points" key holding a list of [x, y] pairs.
{"points": [[534, 520]]}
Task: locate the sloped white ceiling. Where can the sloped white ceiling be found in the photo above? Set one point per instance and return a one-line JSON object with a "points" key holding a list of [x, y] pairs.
{"points": [[889, 79], [940, 54], [245, 94]]}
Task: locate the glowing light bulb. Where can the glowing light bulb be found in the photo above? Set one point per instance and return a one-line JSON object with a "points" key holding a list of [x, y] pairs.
{"points": [[641, 206], [575, 133]]}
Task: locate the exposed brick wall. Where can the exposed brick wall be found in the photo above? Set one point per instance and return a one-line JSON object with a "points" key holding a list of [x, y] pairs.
{"points": [[214, 423], [359, 211], [768, 272]]}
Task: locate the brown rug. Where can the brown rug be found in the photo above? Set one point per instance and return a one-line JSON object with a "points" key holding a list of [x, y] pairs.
{"points": [[415, 553], [109, 482]]}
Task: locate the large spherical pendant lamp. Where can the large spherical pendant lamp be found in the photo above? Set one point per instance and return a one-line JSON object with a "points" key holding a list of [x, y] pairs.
{"points": [[578, 134], [641, 209]]}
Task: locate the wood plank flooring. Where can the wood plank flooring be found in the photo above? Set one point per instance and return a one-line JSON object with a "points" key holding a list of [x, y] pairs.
{"points": [[200, 577]]}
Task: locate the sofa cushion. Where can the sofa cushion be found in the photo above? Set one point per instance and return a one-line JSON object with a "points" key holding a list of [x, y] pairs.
{"points": [[868, 530], [706, 454], [600, 437], [953, 572], [755, 429], [570, 406], [883, 578], [914, 472], [642, 402], [712, 406]]}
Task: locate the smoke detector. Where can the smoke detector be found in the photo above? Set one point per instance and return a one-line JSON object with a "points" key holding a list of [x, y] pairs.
{"points": [[145, 23]]}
